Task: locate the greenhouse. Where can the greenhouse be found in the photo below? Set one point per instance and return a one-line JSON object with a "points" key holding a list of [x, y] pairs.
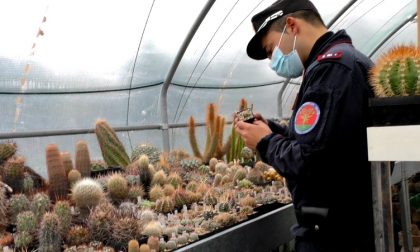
{"points": [[128, 125]]}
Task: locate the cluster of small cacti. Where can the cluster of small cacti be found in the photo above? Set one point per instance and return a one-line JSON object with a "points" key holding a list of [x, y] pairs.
{"points": [[49, 239], [272, 175], [150, 151]]}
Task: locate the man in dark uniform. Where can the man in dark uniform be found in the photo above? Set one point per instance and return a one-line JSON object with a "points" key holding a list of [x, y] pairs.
{"points": [[323, 153]]}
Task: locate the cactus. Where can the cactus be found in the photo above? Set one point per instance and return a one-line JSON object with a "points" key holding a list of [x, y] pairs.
{"points": [[18, 203], [117, 187], [49, 236], [40, 205], [153, 228], [256, 176], [98, 165], [153, 243], [204, 169], [237, 143], [133, 246], [240, 174], [57, 176], [247, 201], [180, 197], [4, 208], [63, 212], [14, 169], [260, 165], [147, 215], [113, 150], [156, 193], [168, 190], [193, 237], [83, 158], [174, 179], [217, 180], [221, 168], [78, 235], [164, 205], [134, 192], [67, 162], [397, 72], [28, 184], [171, 245], [124, 230], [192, 186], [245, 183], [144, 248], [226, 219], [87, 193], [73, 176], [26, 222], [145, 172], [212, 164], [190, 164], [210, 198], [100, 222], [6, 151], [159, 178], [23, 240], [226, 179], [151, 152]]}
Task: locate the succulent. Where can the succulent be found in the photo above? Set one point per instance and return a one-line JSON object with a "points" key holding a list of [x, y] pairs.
{"points": [[87, 193], [168, 189], [98, 165], [193, 237], [6, 239], [151, 152], [153, 228], [100, 222], [23, 240], [247, 153], [63, 212], [28, 184], [144, 248], [226, 179], [192, 186], [83, 158], [256, 176], [247, 201], [164, 205], [153, 243], [212, 164], [181, 198], [78, 235], [240, 174], [217, 180], [226, 219], [145, 172], [40, 205], [397, 72], [190, 164], [49, 236], [112, 149], [245, 183], [181, 240], [204, 169], [124, 230], [133, 246], [67, 162], [147, 215], [174, 179], [7, 150], [260, 165], [57, 176], [159, 178], [210, 198], [4, 209], [18, 203], [14, 169], [134, 192], [202, 188], [156, 193], [171, 245], [117, 187], [73, 176], [26, 222], [221, 168]]}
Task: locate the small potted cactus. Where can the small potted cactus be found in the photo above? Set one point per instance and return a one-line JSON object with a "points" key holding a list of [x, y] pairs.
{"points": [[396, 84]]}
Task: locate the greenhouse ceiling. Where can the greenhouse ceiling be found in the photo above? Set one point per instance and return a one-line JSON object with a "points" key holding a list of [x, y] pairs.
{"points": [[64, 64]]}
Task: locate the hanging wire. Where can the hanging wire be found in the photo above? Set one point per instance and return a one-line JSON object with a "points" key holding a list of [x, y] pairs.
{"points": [[132, 71]]}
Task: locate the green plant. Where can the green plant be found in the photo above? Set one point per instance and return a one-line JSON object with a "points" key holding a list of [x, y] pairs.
{"points": [[117, 187], [133, 246], [57, 176], [7, 150], [239, 174], [164, 205], [397, 72], [18, 203], [237, 143], [26, 222], [151, 152], [87, 193], [78, 235], [210, 198], [256, 176], [145, 172], [168, 189], [67, 162], [4, 208], [144, 248], [226, 179], [73, 176], [98, 165], [14, 169], [49, 234], [159, 178], [113, 150], [217, 180], [204, 169], [156, 193], [100, 222], [124, 230], [147, 215], [134, 192], [82, 159], [23, 240], [181, 198], [40, 204], [63, 212], [28, 184], [190, 164], [153, 228], [221, 168], [245, 183]]}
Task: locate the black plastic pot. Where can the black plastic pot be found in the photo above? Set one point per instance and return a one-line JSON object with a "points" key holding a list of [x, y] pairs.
{"points": [[395, 111], [106, 171]]}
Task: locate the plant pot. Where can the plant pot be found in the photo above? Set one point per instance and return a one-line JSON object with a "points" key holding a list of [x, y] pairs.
{"points": [[106, 171], [395, 111]]}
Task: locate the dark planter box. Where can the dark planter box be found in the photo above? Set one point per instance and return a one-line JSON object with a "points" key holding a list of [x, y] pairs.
{"points": [[106, 171], [395, 111]]}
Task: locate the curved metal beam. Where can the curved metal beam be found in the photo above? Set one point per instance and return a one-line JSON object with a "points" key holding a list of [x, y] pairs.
{"points": [[280, 99], [172, 70], [392, 33], [339, 14]]}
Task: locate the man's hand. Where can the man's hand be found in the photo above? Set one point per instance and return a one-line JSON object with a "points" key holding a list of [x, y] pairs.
{"points": [[252, 133]]}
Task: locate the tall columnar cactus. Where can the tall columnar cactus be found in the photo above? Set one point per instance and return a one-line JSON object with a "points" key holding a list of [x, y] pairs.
{"points": [[146, 175], [397, 72], [6, 151], [4, 208], [14, 170], [237, 143], [57, 177], [214, 136], [49, 234], [67, 162], [83, 159], [112, 149], [63, 212], [40, 204]]}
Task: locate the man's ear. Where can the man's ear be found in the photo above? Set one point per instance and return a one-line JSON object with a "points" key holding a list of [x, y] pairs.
{"points": [[292, 25]]}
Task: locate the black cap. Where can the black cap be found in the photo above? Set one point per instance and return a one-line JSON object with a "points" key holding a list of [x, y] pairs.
{"points": [[262, 21]]}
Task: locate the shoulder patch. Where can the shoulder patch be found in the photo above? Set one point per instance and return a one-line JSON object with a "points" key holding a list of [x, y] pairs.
{"points": [[306, 117], [334, 55]]}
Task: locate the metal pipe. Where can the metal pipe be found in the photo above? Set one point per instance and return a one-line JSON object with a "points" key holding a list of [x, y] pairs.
{"points": [[280, 99], [342, 11], [171, 73], [405, 22]]}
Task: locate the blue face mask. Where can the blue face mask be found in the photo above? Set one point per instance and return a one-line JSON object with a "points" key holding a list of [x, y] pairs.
{"points": [[288, 66]]}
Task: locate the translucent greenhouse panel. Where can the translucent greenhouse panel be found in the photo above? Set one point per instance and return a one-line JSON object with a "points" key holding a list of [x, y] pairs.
{"points": [[370, 22], [43, 112], [288, 99], [144, 106], [407, 35], [149, 137], [264, 100], [82, 45]]}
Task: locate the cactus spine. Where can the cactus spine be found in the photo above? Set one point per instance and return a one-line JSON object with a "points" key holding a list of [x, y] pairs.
{"points": [[57, 177], [87, 193], [40, 205], [237, 143], [18, 203], [82, 159], [145, 173], [117, 187], [133, 246], [14, 173], [67, 162], [73, 176], [49, 235], [397, 72], [112, 149], [6, 151], [63, 212], [4, 207]]}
